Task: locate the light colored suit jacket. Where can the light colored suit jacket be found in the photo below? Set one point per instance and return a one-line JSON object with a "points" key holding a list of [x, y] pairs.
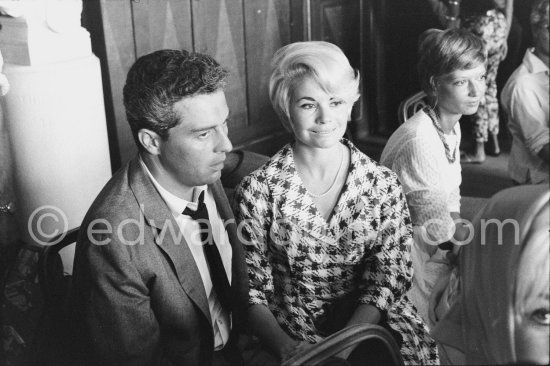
{"points": [[137, 295]]}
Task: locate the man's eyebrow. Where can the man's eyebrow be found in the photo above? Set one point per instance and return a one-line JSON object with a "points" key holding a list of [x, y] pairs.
{"points": [[195, 130]]}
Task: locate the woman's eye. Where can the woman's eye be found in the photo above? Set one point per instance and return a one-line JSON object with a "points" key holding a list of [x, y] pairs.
{"points": [[336, 103], [460, 82], [541, 316], [307, 106]]}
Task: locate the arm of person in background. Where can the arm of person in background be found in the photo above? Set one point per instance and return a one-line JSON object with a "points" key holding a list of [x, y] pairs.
{"points": [[508, 7], [252, 213], [509, 14], [528, 119]]}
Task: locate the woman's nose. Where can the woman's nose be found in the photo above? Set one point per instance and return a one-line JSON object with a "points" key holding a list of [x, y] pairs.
{"points": [[323, 114], [477, 87]]}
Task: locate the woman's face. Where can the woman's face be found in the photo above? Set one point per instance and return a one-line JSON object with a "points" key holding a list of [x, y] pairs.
{"points": [[532, 304], [317, 119], [532, 330], [460, 91]]}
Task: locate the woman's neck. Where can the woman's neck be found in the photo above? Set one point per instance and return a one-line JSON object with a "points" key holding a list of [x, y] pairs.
{"points": [[316, 161], [447, 120]]}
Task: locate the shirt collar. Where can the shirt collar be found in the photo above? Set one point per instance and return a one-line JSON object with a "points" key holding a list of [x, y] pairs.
{"points": [[174, 203], [533, 63]]}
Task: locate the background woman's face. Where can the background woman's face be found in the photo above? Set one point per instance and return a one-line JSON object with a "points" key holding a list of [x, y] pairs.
{"points": [[532, 320], [317, 119], [532, 330], [460, 92]]}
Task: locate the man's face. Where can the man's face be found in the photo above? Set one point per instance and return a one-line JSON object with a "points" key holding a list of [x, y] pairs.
{"points": [[194, 152], [542, 42]]}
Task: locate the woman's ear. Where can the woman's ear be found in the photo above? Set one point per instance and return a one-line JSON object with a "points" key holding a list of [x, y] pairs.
{"points": [[433, 84], [150, 141]]}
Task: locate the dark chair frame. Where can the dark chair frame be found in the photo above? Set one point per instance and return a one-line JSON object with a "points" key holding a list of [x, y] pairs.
{"points": [[48, 269], [52, 342], [348, 337]]}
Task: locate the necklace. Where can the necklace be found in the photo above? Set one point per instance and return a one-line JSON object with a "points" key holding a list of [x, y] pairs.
{"points": [[451, 157], [333, 182]]}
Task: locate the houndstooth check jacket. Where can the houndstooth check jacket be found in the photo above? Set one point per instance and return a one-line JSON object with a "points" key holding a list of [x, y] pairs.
{"points": [[298, 263]]}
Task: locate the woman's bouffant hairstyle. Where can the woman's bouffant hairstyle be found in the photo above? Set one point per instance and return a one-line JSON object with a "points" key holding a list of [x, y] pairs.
{"points": [[322, 61], [442, 52], [159, 80]]}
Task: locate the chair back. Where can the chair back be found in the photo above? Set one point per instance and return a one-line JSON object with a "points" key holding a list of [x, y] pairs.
{"points": [[360, 336], [411, 105], [53, 339], [54, 279]]}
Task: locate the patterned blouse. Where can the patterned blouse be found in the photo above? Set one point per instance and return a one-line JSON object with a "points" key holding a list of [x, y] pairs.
{"points": [[298, 262]]}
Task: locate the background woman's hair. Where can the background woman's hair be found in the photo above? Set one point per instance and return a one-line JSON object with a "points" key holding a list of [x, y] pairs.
{"points": [[442, 52], [534, 264]]}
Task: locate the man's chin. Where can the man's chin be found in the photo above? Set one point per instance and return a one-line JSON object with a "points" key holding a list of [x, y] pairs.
{"points": [[214, 176]]}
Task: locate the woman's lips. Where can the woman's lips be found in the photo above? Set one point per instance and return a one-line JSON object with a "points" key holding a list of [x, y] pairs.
{"points": [[324, 132]]}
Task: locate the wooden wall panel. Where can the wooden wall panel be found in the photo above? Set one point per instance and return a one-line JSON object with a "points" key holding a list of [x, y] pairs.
{"points": [[218, 31], [120, 55], [267, 28], [162, 24]]}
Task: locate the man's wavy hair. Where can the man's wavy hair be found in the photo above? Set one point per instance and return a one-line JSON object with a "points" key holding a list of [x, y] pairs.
{"points": [[160, 79]]}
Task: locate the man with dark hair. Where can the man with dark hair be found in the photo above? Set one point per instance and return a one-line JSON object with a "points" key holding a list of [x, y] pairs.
{"points": [[159, 274], [525, 99]]}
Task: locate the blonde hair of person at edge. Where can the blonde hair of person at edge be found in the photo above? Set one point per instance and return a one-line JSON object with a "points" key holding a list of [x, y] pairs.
{"points": [[501, 312], [328, 228]]}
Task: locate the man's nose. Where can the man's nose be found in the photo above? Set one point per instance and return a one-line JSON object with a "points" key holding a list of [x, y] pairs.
{"points": [[224, 144]]}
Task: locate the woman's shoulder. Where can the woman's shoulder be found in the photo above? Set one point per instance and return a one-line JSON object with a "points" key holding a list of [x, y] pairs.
{"points": [[414, 133], [270, 169]]}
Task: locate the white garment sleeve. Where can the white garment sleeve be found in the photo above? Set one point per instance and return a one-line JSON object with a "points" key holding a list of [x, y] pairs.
{"points": [[527, 118], [417, 165]]}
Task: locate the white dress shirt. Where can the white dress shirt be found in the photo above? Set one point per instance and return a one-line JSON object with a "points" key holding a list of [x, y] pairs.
{"points": [[221, 319], [525, 99]]}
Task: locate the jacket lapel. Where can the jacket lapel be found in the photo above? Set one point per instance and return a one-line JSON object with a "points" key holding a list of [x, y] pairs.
{"points": [[168, 236]]}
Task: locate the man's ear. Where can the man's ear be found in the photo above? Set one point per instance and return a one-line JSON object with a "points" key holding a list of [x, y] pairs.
{"points": [[150, 141]]}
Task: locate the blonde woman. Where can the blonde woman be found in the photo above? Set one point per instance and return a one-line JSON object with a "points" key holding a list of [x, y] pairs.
{"points": [[501, 314], [328, 229]]}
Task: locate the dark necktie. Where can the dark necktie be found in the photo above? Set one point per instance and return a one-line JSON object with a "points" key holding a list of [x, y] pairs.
{"points": [[220, 283]]}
